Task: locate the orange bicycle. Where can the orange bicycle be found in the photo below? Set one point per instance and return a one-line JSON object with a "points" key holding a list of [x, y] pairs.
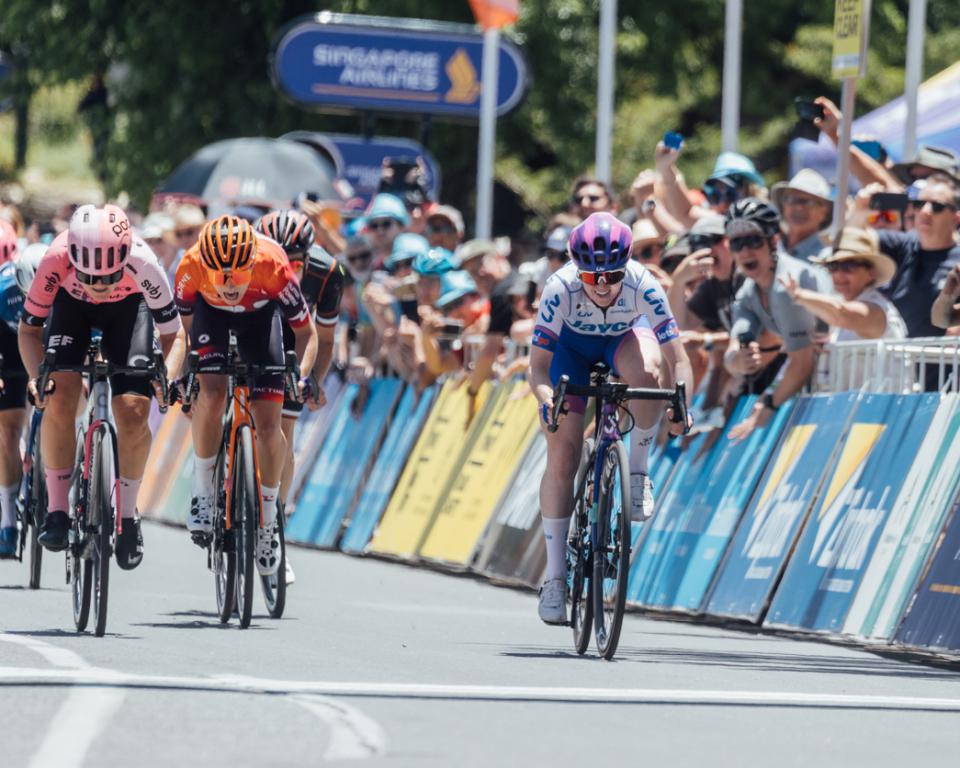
{"points": [[238, 513]]}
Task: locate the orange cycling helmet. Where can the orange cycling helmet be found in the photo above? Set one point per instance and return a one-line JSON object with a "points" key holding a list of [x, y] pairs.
{"points": [[228, 243]]}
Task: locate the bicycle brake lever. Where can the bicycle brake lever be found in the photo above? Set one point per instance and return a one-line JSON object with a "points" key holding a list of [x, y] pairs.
{"points": [[559, 397]]}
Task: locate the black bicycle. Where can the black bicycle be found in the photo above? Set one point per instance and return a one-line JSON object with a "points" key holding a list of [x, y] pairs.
{"points": [[231, 547], [32, 500], [95, 483], [598, 548]]}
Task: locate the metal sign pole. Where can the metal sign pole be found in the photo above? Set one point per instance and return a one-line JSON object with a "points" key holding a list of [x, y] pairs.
{"points": [[732, 55], [605, 87], [486, 155], [848, 101], [914, 74]]}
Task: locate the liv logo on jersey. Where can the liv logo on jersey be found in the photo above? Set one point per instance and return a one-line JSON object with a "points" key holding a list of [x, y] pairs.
{"points": [[549, 309], [650, 296]]}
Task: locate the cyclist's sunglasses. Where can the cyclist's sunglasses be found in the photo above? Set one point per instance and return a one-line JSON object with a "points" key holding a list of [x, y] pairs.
{"points": [[603, 278], [236, 277], [919, 205], [111, 279], [749, 241]]}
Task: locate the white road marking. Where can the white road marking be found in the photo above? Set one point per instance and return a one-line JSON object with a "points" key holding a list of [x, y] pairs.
{"points": [[81, 716], [353, 735], [11, 675]]}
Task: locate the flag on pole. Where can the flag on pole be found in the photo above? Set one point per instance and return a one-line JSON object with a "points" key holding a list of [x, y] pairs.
{"points": [[495, 14]]}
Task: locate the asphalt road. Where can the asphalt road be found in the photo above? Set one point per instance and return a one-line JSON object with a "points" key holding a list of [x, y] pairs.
{"points": [[385, 664]]}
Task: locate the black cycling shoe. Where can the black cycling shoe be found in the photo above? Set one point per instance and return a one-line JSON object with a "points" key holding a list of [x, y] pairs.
{"points": [[130, 544], [54, 533]]}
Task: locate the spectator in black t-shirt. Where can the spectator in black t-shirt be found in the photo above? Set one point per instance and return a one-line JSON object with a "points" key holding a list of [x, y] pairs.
{"points": [[494, 278], [924, 256]]}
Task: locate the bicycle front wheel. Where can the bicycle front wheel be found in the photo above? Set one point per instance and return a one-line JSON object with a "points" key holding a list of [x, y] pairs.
{"points": [[275, 587], [579, 556], [224, 553], [100, 512], [36, 512], [611, 558], [245, 518]]}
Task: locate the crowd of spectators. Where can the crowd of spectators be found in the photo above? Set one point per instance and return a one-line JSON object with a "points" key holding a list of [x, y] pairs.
{"points": [[756, 278]]}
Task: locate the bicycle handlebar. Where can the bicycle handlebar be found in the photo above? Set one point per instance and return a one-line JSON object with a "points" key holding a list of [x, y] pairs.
{"points": [[618, 392], [234, 367]]}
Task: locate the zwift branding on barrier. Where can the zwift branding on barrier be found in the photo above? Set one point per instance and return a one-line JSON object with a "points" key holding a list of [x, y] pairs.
{"points": [[334, 484], [769, 528], [500, 444], [835, 545], [910, 530], [405, 426], [435, 457]]}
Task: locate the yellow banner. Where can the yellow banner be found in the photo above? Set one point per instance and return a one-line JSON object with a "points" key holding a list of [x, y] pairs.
{"points": [[425, 478], [851, 26], [168, 452], [497, 451]]}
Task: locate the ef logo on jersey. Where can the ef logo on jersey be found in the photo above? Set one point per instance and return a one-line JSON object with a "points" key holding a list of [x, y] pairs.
{"points": [[59, 340]]}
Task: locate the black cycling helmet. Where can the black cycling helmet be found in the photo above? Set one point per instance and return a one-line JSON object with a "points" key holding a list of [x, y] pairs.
{"points": [[752, 216], [292, 229]]}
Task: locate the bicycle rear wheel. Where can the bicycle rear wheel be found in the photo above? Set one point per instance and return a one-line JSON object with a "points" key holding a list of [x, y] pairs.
{"points": [[275, 587], [245, 517], [224, 553], [79, 564], [36, 509], [579, 554], [611, 560], [100, 512]]}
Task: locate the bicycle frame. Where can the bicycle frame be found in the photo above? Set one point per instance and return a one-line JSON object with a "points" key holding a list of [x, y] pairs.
{"points": [[97, 418], [238, 408]]}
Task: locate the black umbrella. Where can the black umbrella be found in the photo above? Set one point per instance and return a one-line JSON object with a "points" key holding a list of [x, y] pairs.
{"points": [[254, 170]]}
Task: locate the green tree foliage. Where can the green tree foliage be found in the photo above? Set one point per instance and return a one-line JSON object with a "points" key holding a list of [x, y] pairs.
{"points": [[185, 74]]}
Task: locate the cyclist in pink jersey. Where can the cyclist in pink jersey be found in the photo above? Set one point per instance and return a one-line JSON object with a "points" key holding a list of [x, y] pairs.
{"points": [[97, 275]]}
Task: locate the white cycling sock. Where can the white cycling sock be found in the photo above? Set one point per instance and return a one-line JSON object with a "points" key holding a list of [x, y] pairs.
{"points": [[129, 489], [268, 496], [555, 532], [8, 505], [203, 476], [642, 440]]}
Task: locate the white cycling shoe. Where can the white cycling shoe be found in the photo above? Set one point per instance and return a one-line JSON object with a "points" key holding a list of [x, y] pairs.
{"points": [[289, 575], [553, 601], [641, 498], [200, 519], [268, 550]]}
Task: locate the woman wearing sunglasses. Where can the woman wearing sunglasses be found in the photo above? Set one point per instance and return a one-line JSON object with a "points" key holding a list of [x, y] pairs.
{"points": [[97, 275], [601, 307]]}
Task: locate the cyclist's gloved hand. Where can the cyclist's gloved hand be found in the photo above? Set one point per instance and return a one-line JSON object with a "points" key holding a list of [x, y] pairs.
{"points": [[305, 390], [37, 400]]}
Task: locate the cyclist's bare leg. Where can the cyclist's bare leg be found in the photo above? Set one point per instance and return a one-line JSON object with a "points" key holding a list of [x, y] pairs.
{"points": [[271, 446], [206, 422], [58, 437], [289, 427], [131, 412], [11, 466], [556, 490]]}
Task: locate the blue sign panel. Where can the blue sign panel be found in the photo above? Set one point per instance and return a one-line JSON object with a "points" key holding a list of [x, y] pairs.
{"points": [[769, 528], [405, 428], [835, 546], [933, 618], [345, 62]]}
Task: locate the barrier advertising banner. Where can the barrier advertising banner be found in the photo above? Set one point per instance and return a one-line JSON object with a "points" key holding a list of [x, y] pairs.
{"points": [[404, 428], [911, 528], [496, 452], [835, 545], [168, 452], [768, 530], [311, 429], [933, 618], [720, 502], [516, 524], [334, 484], [426, 476]]}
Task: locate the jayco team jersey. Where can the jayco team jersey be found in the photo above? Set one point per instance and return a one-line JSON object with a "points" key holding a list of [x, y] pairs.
{"points": [[565, 309]]}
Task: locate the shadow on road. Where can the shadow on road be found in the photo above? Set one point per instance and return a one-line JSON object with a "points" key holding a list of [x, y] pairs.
{"points": [[68, 633], [199, 620]]}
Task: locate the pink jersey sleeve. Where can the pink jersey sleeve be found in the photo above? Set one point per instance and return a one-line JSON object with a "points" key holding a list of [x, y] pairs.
{"points": [[51, 273], [146, 270]]}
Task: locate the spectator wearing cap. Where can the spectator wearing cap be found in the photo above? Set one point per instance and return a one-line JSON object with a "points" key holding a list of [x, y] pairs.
{"points": [[459, 310], [705, 305], [445, 227], [430, 268], [647, 246], [386, 218], [554, 254], [591, 196], [924, 256], [764, 304], [928, 161], [494, 278], [403, 280], [806, 210]]}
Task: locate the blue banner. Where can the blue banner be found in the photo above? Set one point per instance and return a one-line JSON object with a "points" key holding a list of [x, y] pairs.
{"points": [[404, 429], [769, 528], [333, 484], [836, 544], [933, 618], [367, 63]]}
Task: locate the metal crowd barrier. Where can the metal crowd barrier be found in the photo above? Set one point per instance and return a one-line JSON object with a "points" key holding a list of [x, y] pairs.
{"points": [[898, 366]]}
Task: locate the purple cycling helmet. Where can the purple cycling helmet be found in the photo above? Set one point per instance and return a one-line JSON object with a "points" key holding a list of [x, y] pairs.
{"points": [[600, 243]]}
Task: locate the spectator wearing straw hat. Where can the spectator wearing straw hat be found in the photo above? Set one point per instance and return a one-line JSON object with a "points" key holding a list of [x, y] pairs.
{"points": [[857, 269], [928, 161], [805, 209]]}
